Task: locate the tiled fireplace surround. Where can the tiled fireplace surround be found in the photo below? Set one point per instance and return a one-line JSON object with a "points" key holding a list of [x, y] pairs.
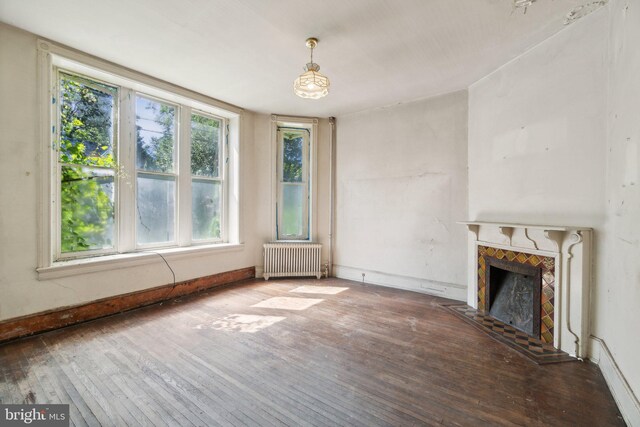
{"points": [[545, 263], [562, 253]]}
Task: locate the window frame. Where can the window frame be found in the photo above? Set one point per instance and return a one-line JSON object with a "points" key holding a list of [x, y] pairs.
{"points": [[57, 174], [305, 184], [51, 263], [176, 174], [311, 125], [222, 178]]}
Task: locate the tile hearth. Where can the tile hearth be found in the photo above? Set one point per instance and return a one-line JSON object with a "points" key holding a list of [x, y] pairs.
{"points": [[532, 348]]}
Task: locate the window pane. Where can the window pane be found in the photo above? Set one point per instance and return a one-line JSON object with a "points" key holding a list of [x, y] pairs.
{"points": [[205, 144], [86, 122], [155, 135], [292, 211], [205, 205], [155, 209], [292, 157], [87, 209]]}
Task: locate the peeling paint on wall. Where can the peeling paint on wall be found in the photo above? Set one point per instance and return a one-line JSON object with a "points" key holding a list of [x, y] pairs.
{"points": [[583, 10]]}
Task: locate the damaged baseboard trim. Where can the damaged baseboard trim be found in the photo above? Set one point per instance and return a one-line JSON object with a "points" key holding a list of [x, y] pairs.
{"points": [[66, 316]]}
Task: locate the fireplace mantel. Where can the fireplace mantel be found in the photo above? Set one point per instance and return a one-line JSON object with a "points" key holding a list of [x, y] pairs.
{"points": [[504, 224], [569, 246]]}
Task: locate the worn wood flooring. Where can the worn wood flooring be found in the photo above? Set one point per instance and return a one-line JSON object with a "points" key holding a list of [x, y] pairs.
{"points": [[365, 356]]}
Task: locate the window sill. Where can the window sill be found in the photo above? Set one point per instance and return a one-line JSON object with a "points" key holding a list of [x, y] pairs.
{"points": [[108, 262]]}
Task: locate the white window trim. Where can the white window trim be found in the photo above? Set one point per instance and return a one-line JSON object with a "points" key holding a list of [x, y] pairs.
{"points": [[223, 177], [305, 184], [108, 262], [310, 123], [179, 146], [56, 191], [50, 56]]}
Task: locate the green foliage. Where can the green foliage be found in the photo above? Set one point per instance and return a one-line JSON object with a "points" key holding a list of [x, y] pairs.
{"points": [[87, 209], [293, 150], [205, 146], [155, 137], [205, 143], [86, 194], [292, 157], [86, 152], [86, 123]]}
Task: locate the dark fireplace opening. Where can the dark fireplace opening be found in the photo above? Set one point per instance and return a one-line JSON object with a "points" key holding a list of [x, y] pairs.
{"points": [[513, 294], [512, 300]]}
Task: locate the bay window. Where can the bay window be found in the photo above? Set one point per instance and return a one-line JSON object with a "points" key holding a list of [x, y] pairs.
{"points": [[134, 167]]}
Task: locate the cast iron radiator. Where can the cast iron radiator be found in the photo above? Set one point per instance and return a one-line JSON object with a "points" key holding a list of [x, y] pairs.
{"points": [[292, 259]]}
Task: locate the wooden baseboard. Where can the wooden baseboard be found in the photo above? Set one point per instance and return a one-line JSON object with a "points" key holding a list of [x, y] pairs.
{"points": [[53, 319], [623, 394], [425, 286]]}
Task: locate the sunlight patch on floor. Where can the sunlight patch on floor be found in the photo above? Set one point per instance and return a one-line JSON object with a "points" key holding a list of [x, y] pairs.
{"points": [[325, 290], [241, 323], [288, 303]]}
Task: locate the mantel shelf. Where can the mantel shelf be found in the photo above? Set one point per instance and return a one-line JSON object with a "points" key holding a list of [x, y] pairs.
{"points": [[526, 226]]}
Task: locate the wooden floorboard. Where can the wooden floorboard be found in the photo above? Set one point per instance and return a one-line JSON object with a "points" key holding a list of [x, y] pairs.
{"points": [[368, 356]]}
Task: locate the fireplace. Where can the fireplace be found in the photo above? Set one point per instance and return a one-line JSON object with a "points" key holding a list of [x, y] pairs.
{"points": [[513, 294], [499, 271], [533, 278]]}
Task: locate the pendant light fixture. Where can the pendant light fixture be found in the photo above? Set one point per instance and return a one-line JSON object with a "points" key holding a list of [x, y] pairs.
{"points": [[311, 84]]}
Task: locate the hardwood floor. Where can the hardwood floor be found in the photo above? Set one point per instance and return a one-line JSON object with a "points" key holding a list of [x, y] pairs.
{"points": [[366, 356]]}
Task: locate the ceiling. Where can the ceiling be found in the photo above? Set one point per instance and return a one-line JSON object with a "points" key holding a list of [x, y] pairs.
{"points": [[248, 52]]}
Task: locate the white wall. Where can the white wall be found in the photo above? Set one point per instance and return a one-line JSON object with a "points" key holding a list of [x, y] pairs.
{"points": [[536, 133], [20, 291], [553, 139], [617, 300], [401, 186]]}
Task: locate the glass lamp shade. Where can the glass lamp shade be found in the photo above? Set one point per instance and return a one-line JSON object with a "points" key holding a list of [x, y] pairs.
{"points": [[311, 84]]}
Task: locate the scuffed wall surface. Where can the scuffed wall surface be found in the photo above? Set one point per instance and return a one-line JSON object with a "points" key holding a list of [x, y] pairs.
{"points": [[401, 186], [536, 133], [20, 291], [554, 139], [617, 297]]}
